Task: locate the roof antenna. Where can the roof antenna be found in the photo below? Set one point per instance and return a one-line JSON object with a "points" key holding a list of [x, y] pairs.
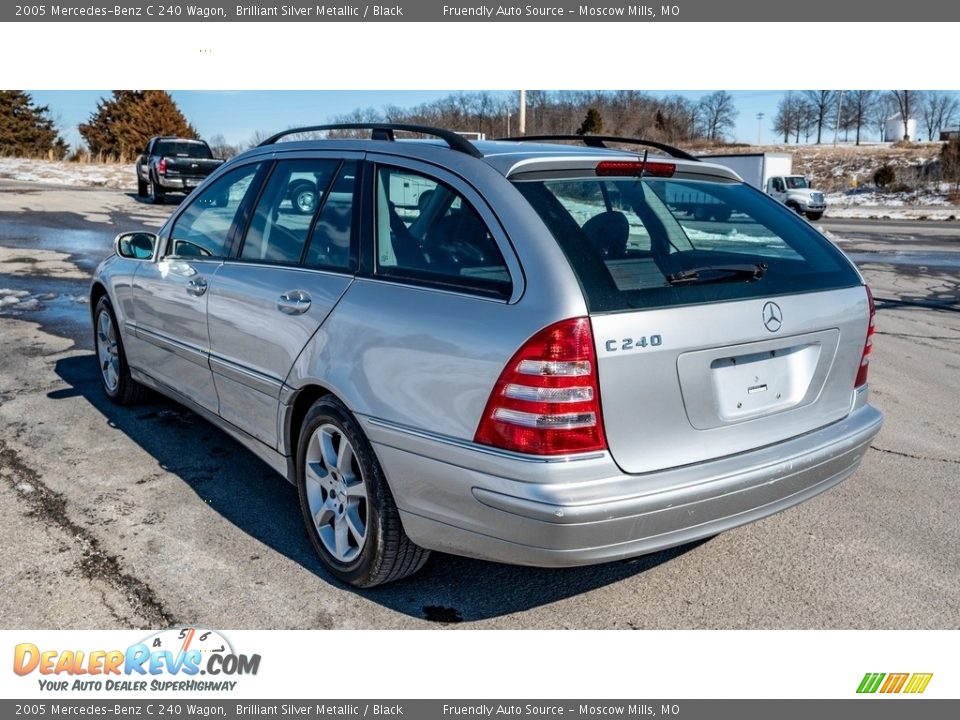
{"points": [[643, 165]]}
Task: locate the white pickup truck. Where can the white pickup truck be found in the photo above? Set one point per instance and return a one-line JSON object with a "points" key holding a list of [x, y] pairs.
{"points": [[772, 173]]}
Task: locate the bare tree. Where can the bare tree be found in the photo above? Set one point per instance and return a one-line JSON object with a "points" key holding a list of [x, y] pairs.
{"points": [[908, 103], [675, 118], [672, 118], [806, 120], [221, 148], [360, 115], [939, 109], [258, 137], [824, 103], [789, 117], [718, 113], [883, 109], [858, 108]]}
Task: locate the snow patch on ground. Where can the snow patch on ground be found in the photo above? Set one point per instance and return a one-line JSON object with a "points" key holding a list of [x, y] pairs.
{"points": [[34, 261], [16, 302], [105, 175], [932, 204]]}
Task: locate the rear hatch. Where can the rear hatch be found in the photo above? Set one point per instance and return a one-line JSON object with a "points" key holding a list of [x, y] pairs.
{"points": [[722, 321]]}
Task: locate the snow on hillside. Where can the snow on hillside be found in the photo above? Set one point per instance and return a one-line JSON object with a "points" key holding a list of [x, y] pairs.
{"points": [[845, 173]]}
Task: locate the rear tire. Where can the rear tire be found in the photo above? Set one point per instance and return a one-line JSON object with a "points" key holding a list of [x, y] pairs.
{"points": [[157, 195], [142, 187], [349, 512], [115, 377]]}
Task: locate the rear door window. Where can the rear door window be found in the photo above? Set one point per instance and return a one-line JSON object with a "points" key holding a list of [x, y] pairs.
{"points": [[637, 243], [284, 214], [331, 244], [304, 214]]}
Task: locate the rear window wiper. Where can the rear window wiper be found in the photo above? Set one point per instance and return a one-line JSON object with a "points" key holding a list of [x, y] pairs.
{"points": [[718, 273]]}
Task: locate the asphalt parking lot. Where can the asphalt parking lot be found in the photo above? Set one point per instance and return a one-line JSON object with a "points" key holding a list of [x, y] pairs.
{"points": [[149, 516]]}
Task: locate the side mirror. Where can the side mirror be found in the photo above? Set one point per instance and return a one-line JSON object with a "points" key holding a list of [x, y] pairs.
{"points": [[135, 245]]}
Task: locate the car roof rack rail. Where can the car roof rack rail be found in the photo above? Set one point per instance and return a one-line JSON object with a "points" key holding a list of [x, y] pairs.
{"points": [[600, 141], [385, 131]]}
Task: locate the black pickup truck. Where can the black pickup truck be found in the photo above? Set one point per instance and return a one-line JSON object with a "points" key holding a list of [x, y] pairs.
{"points": [[172, 164]]}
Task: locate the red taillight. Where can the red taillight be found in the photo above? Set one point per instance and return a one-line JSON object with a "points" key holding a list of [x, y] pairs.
{"points": [[613, 168], [547, 399], [868, 345], [162, 166]]}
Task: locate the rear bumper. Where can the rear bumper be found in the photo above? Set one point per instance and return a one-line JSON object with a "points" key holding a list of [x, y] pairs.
{"points": [[179, 184], [455, 498], [458, 499]]}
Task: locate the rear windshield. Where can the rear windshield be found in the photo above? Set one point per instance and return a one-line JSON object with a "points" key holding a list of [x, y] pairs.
{"points": [[662, 242], [178, 148]]}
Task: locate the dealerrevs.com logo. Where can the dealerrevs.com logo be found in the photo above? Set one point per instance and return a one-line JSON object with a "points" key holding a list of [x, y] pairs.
{"points": [[911, 683], [169, 660]]}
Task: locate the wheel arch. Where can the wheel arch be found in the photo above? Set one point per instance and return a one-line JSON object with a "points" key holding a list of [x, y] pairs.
{"points": [[293, 418], [97, 291]]}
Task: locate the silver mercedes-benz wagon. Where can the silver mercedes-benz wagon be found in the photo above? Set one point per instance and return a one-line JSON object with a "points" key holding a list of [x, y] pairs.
{"points": [[522, 350]]}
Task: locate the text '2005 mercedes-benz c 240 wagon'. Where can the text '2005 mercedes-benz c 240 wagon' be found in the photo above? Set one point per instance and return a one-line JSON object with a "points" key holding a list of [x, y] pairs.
{"points": [[526, 351]]}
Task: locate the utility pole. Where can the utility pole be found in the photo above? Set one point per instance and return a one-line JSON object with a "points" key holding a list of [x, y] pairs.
{"points": [[523, 112], [759, 128], [836, 127]]}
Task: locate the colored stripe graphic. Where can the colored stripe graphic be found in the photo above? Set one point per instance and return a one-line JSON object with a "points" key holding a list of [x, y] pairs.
{"points": [[918, 683], [894, 683], [870, 682]]}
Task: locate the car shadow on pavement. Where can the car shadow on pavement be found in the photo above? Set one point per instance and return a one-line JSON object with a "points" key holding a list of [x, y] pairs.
{"points": [[246, 492]]}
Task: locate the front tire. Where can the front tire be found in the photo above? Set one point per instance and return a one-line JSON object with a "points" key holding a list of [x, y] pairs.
{"points": [[142, 186], [814, 216], [350, 514], [115, 376]]}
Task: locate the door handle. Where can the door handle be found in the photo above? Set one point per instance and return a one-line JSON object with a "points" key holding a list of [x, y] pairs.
{"points": [[294, 302], [196, 286]]}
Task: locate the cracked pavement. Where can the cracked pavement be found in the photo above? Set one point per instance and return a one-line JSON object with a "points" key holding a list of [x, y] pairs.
{"points": [[148, 516]]}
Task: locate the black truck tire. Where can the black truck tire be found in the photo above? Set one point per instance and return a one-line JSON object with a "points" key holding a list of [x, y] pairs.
{"points": [[157, 195]]}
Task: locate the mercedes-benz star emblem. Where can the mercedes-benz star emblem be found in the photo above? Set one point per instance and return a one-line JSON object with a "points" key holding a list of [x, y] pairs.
{"points": [[772, 316]]}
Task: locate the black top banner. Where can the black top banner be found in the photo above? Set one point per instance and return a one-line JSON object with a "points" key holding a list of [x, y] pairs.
{"points": [[438, 11]]}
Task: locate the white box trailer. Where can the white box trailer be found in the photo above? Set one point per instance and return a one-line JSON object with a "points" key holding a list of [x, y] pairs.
{"points": [[756, 168], [772, 173]]}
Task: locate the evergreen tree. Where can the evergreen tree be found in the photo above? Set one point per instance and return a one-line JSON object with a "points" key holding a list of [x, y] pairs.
{"points": [[592, 124], [122, 125], [26, 130]]}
